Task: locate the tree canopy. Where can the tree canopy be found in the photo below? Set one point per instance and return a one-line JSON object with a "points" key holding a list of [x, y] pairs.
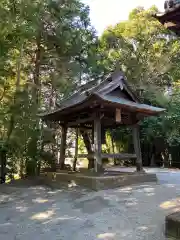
{"points": [[49, 48]]}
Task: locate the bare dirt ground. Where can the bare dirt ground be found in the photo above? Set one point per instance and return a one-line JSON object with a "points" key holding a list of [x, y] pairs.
{"points": [[135, 212]]}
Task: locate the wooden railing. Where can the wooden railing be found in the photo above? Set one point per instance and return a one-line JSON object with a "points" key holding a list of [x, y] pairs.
{"points": [[110, 155]]}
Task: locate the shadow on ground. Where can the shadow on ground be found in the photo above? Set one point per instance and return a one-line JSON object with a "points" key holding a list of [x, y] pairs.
{"points": [[31, 211]]}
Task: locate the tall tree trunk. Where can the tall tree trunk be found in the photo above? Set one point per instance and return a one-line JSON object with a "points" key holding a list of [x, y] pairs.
{"points": [[152, 160], [165, 157], [88, 146], [31, 167], [76, 150], [37, 69], [41, 148], [113, 150], [3, 160]]}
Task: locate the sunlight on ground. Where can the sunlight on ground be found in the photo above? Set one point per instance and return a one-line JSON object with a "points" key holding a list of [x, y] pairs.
{"points": [[170, 204], [150, 194], [7, 224], [134, 203], [61, 219], [170, 185], [124, 190], [55, 192], [42, 215], [40, 200], [142, 228], [106, 236], [148, 189], [22, 209], [72, 184]]}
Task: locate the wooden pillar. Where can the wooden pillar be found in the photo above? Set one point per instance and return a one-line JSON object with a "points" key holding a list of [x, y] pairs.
{"points": [[63, 146], [137, 147], [76, 150], [89, 149], [97, 143]]}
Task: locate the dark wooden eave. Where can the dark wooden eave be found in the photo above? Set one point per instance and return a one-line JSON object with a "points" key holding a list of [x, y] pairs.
{"points": [[170, 19]]}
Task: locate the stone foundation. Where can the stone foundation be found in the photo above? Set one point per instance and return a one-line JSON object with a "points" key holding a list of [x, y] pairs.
{"points": [[98, 182], [173, 225]]}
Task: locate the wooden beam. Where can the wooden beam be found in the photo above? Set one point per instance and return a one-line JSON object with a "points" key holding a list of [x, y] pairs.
{"points": [[80, 121], [119, 155], [137, 147], [86, 155], [97, 142], [125, 119], [171, 24], [110, 155], [63, 146], [83, 127]]}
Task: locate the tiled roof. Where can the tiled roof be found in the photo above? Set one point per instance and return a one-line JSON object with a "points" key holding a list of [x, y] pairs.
{"points": [[103, 92]]}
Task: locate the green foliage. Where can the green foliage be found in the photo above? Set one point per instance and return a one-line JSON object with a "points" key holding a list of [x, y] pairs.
{"points": [[48, 48], [44, 48]]}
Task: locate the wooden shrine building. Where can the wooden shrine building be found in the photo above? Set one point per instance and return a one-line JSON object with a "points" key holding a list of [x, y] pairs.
{"points": [[170, 19], [105, 105]]}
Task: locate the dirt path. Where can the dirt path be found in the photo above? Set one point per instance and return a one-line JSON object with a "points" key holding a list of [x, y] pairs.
{"points": [[124, 214]]}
